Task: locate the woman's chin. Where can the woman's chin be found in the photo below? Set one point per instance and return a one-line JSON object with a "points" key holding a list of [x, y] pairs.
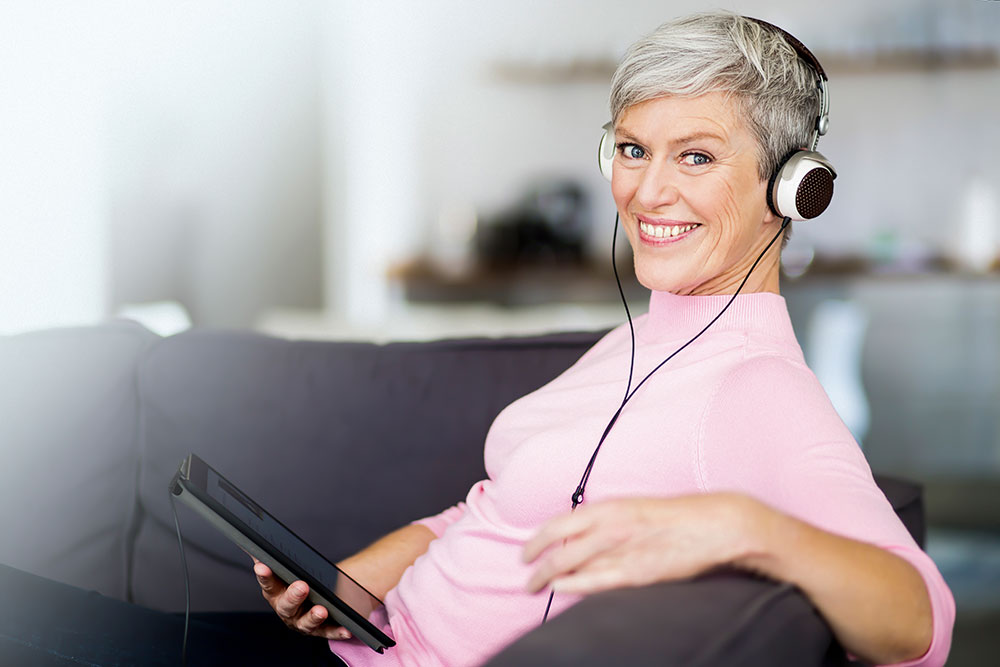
{"points": [[660, 280], [661, 283]]}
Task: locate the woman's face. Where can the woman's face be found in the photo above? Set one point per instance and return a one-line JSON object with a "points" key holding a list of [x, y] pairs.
{"points": [[692, 204]]}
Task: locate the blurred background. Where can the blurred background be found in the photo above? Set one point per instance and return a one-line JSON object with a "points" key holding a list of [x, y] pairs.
{"points": [[390, 170]]}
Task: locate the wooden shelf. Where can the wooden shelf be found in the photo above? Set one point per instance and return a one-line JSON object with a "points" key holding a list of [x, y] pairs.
{"points": [[876, 62]]}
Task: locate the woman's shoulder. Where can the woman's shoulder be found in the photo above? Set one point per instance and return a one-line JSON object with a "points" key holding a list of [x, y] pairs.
{"points": [[777, 394], [768, 418], [779, 369]]}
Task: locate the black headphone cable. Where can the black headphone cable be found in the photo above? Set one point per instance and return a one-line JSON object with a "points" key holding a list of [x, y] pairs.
{"points": [[577, 496], [187, 584]]}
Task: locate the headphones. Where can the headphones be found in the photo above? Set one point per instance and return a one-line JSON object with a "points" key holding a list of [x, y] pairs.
{"points": [[802, 185]]}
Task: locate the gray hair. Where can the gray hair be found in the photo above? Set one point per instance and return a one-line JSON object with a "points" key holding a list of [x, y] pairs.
{"points": [[721, 51]]}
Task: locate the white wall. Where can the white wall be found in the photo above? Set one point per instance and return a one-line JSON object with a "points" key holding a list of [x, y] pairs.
{"points": [[215, 156], [168, 149], [53, 181]]}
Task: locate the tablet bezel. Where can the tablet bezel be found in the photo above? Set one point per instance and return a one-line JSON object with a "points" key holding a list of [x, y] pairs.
{"points": [[190, 486]]}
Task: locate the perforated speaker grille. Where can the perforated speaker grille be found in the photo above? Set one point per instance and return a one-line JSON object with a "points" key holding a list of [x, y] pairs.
{"points": [[815, 192]]}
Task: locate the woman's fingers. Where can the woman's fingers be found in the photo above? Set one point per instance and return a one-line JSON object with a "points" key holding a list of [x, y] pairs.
{"points": [[561, 561], [310, 621], [270, 585], [591, 580], [314, 622], [287, 604], [290, 604], [555, 530], [638, 541]]}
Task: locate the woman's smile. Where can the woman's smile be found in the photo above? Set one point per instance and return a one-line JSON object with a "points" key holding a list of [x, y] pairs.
{"points": [[664, 232]]}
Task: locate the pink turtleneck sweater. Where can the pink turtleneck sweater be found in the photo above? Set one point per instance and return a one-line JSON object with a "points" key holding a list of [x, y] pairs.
{"points": [[738, 410]]}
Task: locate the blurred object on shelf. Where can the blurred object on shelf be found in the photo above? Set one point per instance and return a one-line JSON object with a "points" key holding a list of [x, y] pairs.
{"points": [[550, 224], [885, 259], [797, 257], [975, 244], [836, 334], [883, 247], [895, 253], [452, 237]]}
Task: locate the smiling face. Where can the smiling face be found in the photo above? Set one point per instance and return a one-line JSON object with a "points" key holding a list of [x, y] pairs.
{"points": [[690, 199]]}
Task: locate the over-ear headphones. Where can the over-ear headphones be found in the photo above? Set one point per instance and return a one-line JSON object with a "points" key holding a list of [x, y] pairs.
{"points": [[801, 186]]}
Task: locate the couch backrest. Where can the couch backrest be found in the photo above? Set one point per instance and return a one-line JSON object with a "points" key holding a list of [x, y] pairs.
{"points": [[68, 429], [342, 442]]}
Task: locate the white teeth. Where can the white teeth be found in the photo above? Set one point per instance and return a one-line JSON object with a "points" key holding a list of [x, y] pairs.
{"points": [[660, 231]]}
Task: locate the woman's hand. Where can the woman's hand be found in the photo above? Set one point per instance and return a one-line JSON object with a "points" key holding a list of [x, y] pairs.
{"points": [[377, 567], [288, 604], [639, 541]]}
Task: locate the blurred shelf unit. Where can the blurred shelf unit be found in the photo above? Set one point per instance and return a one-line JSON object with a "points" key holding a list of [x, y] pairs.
{"points": [[912, 60], [511, 286], [420, 281], [868, 62]]}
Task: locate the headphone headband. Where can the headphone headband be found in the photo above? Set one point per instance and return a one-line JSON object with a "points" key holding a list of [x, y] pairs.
{"points": [[799, 47], [823, 119]]}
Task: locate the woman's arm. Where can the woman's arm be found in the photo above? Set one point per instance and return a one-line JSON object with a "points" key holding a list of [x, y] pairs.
{"points": [[876, 603], [379, 566]]}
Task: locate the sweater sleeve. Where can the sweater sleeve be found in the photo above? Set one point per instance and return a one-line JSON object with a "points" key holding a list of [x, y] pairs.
{"points": [[439, 522], [771, 432]]}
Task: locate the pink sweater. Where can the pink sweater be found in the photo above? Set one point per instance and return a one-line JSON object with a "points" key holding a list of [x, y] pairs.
{"points": [[738, 410]]}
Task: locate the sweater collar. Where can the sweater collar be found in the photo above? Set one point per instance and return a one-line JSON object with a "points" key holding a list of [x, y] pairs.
{"points": [[673, 316]]}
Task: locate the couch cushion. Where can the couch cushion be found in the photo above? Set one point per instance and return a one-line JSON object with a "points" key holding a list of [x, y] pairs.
{"points": [[68, 426], [343, 442]]}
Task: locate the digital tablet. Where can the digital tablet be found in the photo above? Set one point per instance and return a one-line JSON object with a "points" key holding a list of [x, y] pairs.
{"points": [[255, 531]]}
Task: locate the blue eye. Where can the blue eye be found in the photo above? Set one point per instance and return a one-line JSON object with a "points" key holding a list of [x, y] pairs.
{"points": [[696, 159], [631, 151]]}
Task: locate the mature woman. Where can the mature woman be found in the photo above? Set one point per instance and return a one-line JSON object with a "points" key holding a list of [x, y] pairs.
{"points": [[730, 453]]}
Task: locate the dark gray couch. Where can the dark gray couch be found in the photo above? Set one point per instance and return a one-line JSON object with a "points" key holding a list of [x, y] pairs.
{"points": [[343, 442]]}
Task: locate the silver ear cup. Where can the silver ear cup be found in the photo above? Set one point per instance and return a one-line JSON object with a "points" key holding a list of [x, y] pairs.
{"points": [[803, 186], [606, 151]]}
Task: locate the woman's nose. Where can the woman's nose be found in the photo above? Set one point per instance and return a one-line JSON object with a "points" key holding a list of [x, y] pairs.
{"points": [[657, 187]]}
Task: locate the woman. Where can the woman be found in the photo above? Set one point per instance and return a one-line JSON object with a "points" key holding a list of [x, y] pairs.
{"points": [[729, 455]]}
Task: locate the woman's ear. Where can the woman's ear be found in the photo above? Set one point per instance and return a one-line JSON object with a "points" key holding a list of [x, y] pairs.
{"points": [[770, 216]]}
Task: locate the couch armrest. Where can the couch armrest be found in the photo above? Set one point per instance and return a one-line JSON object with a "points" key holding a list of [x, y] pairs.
{"points": [[683, 623], [676, 623], [907, 499]]}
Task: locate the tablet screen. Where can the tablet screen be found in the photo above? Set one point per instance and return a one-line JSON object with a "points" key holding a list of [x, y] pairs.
{"points": [[286, 542]]}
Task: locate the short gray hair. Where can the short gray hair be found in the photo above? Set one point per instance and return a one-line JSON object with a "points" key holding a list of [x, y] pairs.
{"points": [[721, 51]]}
